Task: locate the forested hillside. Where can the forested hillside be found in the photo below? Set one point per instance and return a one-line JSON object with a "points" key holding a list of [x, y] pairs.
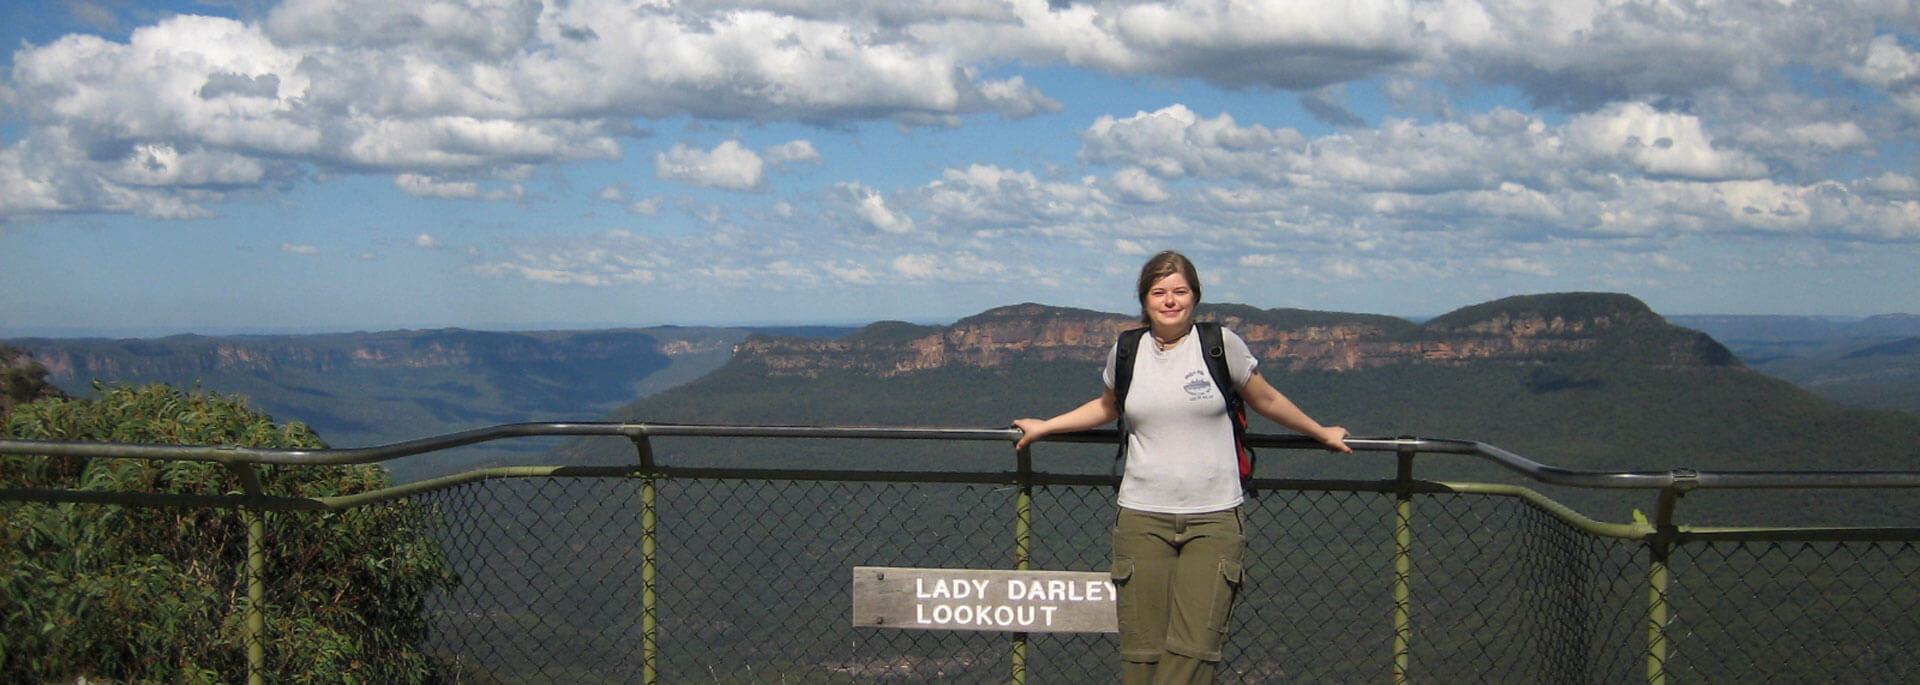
{"points": [[1578, 380], [1581, 379], [1870, 363], [360, 389]]}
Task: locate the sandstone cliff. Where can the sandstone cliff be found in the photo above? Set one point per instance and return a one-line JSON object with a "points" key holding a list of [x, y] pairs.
{"points": [[1520, 330]]}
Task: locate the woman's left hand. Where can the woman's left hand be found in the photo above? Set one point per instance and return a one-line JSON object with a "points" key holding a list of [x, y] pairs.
{"points": [[1335, 438]]}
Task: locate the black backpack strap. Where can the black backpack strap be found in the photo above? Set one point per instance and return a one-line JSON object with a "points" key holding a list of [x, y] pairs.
{"points": [[1123, 378], [1215, 347], [1123, 365]]}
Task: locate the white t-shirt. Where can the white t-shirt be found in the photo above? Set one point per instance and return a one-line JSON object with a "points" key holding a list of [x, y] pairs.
{"points": [[1180, 454]]}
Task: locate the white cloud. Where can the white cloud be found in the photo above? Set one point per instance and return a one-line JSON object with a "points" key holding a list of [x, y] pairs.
{"points": [[1294, 45], [426, 241], [482, 28], [419, 185], [616, 192], [1317, 268], [730, 166], [612, 192], [291, 248], [1617, 129], [1519, 265], [1660, 143], [152, 164], [791, 152], [990, 197], [1174, 142], [1831, 135], [469, 143], [957, 268], [851, 273], [24, 192], [870, 207], [426, 87], [917, 266], [648, 206], [1134, 183], [609, 259], [1895, 184], [1887, 64]]}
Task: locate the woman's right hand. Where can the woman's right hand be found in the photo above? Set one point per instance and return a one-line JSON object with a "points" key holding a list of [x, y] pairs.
{"points": [[1030, 430]]}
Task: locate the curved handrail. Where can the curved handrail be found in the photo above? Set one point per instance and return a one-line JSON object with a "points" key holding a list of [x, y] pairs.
{"points": [[1679, 479]]}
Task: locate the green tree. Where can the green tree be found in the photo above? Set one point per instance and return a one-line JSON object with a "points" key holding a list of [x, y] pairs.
{"points": [[22, 379], [157, 594]]}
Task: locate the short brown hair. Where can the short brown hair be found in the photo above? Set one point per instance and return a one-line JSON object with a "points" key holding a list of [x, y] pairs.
{"points": [[1161, 266]]}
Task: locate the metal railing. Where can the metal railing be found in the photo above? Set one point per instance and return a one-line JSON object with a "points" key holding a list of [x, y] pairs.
{"points": [[656, 572]]}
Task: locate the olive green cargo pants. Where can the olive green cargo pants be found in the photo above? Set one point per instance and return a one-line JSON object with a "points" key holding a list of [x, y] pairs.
{"points": [[1177, 575]]}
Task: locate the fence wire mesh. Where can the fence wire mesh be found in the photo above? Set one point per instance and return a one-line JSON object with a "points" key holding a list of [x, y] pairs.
{"points": [[752, 577], [754, 587], [1505, 592], [1795, 612]]}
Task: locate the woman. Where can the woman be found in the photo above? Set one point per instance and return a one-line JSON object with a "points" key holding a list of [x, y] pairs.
{"points": [[1177, 542]]}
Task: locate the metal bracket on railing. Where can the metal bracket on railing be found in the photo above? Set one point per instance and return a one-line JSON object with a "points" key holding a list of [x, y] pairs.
{"points": [[1406, 449], [1683, 481], [643, 446]]}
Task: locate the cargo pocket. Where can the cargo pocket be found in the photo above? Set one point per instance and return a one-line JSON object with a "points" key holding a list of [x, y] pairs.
{"points": [[1232, 575], [1133, 646]]}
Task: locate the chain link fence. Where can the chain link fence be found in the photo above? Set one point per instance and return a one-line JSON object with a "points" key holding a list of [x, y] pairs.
{"points": [[753, 585], [678, 575]]}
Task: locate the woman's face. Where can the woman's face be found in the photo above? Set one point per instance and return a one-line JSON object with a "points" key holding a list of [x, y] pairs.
{"points": [[1170, 303]]}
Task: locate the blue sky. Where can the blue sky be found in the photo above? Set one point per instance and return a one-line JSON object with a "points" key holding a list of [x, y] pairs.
{"points": [[330, 165]]}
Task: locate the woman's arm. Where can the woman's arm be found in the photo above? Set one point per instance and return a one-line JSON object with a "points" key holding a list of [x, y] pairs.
{"points": [[1098, 412], [1266, 400]]}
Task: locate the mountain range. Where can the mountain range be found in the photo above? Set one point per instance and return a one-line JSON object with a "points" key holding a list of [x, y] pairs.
{"points": [[1582, 380], [1872, 362], [1585, 380]]}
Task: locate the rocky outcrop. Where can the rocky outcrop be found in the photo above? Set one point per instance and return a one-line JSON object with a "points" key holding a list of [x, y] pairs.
{"points": [[1522, 330], [1534, 329]]}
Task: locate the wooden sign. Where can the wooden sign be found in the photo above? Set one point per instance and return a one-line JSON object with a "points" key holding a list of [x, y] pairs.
{"points": [[989, 600]]}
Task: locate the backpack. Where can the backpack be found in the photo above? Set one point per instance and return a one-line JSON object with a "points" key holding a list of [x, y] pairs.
{"points": [[1216, 356]]}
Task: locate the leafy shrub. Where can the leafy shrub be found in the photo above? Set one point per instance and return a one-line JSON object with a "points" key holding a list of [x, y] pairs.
{"points": [[158, 594]]}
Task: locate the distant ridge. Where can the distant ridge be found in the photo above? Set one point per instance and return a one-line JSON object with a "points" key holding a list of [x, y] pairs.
{"points": [[1867, 363], [1738, 329], [1577, 380], [1532, 329]]}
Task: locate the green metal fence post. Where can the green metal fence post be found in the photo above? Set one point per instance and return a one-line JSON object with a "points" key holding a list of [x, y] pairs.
{"points": [[649, 565], [1403, 566], [1657, 583], [253, 634], [1023, 551], [256, 595], [1659, 576]]}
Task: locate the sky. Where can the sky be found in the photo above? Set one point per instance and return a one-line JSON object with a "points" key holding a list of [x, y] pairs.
{"points": [[245, 166]]}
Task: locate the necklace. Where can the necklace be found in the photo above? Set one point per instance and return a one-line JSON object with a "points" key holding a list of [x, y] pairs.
{"points": [[1164, 345]]}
